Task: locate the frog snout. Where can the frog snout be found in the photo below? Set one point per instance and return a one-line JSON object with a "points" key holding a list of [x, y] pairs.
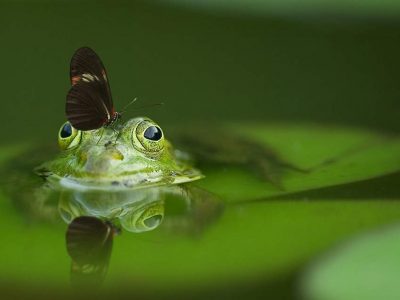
{"points": [[103, 162]]}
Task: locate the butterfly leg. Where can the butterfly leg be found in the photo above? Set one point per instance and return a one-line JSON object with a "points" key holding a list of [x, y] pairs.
{"points": [[101, 136], [117, 133]]}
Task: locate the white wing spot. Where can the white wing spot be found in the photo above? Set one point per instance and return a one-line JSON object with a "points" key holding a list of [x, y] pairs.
{"points": [[86, 77]]}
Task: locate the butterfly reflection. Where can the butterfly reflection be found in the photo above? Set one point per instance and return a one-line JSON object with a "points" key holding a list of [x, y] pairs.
{"points": [[89, 243]]}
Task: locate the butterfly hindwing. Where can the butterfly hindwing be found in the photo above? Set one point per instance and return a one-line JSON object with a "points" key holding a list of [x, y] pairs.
{"points": [[85, 108]]}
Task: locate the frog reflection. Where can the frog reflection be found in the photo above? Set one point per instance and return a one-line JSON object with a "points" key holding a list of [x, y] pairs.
{"points": [[95, 217], [134, 211], [190, 208]]}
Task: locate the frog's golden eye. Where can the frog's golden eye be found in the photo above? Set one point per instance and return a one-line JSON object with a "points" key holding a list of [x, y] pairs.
{"points": [[68, 136], [150, 136]]}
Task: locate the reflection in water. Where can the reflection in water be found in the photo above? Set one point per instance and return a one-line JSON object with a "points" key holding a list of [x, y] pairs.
{"points": [[94, 218], [89, 243]]}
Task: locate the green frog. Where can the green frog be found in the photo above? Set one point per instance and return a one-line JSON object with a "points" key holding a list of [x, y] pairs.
{"points": [[133, 155]]}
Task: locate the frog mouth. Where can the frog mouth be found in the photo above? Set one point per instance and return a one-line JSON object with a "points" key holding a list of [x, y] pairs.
{"points": [[129, 180]]}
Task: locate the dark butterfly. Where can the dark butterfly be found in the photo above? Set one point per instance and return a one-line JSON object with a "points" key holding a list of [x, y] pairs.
{"points": [[89, 103]]}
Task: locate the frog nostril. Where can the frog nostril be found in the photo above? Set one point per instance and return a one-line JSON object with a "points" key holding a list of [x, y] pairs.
{"points": [[117, 155]]}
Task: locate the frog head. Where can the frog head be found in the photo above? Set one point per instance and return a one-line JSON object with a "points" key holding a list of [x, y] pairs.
{"points": [[133, 155]]}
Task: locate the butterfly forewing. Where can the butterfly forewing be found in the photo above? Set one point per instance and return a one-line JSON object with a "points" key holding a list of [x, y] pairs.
{"points": [[89, 102]]}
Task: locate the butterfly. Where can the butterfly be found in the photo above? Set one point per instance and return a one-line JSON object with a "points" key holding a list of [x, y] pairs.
{"points": [[89, 103]]}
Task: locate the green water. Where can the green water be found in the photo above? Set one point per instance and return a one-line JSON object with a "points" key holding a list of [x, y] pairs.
{"points": [[322, 89]]}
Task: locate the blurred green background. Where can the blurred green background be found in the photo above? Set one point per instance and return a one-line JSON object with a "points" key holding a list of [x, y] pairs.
{"points": [[329, 62]]}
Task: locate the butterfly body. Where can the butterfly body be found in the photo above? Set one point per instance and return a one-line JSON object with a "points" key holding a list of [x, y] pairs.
{"points": [[114, 117]]}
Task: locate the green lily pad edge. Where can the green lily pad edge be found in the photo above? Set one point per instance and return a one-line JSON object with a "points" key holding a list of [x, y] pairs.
{"points": [[332, 156]]}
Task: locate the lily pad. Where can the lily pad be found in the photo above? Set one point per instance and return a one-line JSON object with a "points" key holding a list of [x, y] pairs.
{"points": [[366, 267], [332, 156]]}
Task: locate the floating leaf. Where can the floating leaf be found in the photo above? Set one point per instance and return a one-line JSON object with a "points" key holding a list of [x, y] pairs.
{"points": [[366, 267], [332, 155]]}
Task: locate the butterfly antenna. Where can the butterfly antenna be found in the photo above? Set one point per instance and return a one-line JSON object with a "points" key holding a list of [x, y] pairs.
{"points": [[126, 106], [101, 135], [149, 105]]}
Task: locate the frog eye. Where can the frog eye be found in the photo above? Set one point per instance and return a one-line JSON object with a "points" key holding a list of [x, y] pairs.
{"points": [[68, 136], [150, 136], [153, 133], [145, 218]]}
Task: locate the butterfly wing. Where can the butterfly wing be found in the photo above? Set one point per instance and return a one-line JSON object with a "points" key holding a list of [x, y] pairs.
{"points": [[86, 66], [85, 106]]}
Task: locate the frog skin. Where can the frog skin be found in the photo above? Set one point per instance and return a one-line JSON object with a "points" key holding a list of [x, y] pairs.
{"points": [[132, 155]]}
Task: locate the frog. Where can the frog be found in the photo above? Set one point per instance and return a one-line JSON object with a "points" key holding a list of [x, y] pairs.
{"points": [[133, 155]]}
